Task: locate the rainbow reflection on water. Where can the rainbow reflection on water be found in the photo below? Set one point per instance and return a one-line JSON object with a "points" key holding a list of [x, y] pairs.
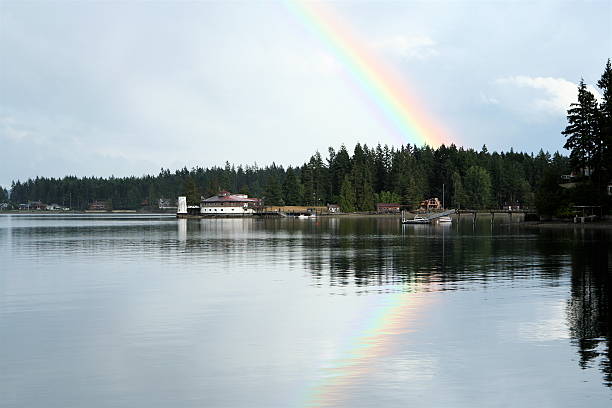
{"points": [[378, 337]]}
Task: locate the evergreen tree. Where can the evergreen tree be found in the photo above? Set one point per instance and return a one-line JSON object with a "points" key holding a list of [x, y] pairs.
{"points": [[605, 84], [582, 130], [458, 196], [273, 195], [477, 187], [190, 190], [292, 188], [605, 125], [410, 193], [347, 195], [387, 197], [339, 166]]}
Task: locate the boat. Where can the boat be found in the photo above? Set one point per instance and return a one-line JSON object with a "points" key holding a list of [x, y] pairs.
{"points": [[418, 219], [445, 219], [306, 216]]}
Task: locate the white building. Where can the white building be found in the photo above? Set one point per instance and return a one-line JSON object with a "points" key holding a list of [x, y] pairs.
{"points": [[226, 203]]}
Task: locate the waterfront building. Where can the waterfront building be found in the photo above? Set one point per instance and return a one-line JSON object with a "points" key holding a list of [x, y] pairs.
{"points": [[33, 205], [98, 205], [333, 208], [387, 208], [167, 204], [431, 204], [226, 203]]}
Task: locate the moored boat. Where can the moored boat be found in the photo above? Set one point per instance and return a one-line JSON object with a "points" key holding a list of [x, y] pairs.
{"points": [[416, 220]]}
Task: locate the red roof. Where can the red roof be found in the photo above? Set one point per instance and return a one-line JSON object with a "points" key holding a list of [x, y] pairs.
{"points": [[225, 196]]}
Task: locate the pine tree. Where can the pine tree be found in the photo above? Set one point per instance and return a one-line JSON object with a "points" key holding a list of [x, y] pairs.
{"points": [[273, 195], [582, 130], [605, 84], [339, 166], [605, 122], [292, 188], [410, 192], [458, 192], [347, 195], [477, 183], [191, 190]]}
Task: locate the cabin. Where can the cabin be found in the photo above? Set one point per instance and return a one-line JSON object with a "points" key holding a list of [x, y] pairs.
{"points": [[33, 205], [387, 208], [98, 205], [226, 203], [167, 204], [333, 208], [431, 204]]}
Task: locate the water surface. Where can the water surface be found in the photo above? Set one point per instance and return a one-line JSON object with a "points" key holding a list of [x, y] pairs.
{"points": [[124, 311]]}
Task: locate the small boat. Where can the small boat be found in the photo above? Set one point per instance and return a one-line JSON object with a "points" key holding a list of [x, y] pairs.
{"points": [[305, 216], [445, 219], [416, 220]]}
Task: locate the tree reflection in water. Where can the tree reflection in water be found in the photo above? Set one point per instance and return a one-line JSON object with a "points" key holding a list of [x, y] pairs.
{"points": [[588, 310], [378, 252]]}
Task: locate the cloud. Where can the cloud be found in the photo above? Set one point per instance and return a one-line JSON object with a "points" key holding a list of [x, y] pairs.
{"points": [[554, 95], [488, 100], [420, 47], [10, 130]]}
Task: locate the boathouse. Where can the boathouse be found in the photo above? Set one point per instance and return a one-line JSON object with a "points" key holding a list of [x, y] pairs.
{"points": [[387, 208], [226, 203]]}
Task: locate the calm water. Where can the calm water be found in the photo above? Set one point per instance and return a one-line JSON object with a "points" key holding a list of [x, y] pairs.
{"points": [[146, 311]]}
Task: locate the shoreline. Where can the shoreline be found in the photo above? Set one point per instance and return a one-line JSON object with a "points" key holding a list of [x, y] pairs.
{"points": [[556, 224], [606, 224]]}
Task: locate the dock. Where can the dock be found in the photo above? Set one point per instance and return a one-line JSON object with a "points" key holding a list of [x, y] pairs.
{"points": [[427, 218]]}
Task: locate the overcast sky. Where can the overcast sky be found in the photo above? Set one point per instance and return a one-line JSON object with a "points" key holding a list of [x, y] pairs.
{"points": [[125, 88]]}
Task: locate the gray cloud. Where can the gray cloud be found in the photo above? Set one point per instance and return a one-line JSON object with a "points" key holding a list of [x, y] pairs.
{"points": [[126, 88]]}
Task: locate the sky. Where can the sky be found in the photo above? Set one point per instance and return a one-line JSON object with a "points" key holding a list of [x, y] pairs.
{"points": [[126, 88]]}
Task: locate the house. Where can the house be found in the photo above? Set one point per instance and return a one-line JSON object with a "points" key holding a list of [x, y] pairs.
{"points": [[333, 208], [167, 204], [99, 206], [33, 205], [226, 203], [387, 208], [431, 204]]}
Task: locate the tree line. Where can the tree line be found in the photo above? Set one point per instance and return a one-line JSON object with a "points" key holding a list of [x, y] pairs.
{"points": [[355, 180], [359, 179]]}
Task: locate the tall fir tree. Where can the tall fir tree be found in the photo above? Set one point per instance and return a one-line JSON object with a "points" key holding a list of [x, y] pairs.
{"points": [[292, 188], [605, 118], [458, 196], [347, 195], [582, 130], [477, 184], [273, 194], [190, 190]]}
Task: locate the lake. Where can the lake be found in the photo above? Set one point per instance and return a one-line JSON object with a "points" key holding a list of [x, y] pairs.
{"points": [[151, 311]]}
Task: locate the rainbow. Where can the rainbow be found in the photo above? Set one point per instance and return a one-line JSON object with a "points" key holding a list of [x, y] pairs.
{"points": [[377, 339], [383, 87]]}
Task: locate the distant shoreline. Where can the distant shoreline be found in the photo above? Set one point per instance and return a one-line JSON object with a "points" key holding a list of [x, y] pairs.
{"points": [[606, 224]]}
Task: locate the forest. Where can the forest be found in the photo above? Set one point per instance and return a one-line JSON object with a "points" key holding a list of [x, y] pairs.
{"points": [[357, 179]]}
